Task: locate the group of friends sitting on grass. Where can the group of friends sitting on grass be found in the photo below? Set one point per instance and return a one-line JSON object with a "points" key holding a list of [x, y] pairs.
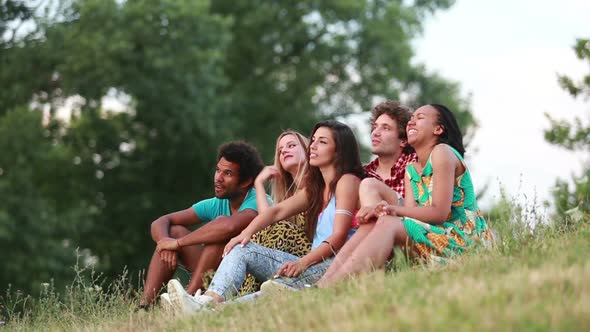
{"points": [[329, 217]]}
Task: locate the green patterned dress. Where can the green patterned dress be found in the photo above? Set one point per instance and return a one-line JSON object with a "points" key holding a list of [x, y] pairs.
{"points": [[464, 226]]}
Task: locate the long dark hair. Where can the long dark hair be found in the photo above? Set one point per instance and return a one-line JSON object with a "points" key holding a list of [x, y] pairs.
{"points": [[347, 161], [451, 133]]}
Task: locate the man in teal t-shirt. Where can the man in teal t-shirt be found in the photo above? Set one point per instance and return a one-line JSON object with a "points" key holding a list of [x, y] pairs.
{"points": [[209, 209], [224, 216]]}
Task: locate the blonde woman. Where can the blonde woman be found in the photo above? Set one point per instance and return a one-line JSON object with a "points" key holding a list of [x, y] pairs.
{"points": [[286, 176], [328, 199]]}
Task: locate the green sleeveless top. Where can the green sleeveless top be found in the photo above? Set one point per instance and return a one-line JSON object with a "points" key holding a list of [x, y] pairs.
{"points": [[464, 225]]}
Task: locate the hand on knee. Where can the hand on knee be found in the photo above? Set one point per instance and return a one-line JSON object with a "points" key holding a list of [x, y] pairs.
{"points": [[169, 259], [239, 249]]}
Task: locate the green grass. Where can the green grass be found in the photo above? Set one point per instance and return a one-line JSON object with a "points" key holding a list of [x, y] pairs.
{"points": [[531, 281]]}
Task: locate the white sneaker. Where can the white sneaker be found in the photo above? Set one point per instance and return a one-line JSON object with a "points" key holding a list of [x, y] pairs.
{"points": [[165, 302], [183, 302], [275, 286]]}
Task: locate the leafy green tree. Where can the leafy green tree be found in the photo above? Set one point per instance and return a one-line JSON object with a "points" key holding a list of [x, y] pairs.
{"points": [[154, 157], [575, 136], [12, 11], [157, 157], [194, 73], [290, 64], [35, 231]]}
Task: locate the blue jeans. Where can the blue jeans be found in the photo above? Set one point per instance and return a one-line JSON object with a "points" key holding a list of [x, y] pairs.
{"points": [[263, 263]]}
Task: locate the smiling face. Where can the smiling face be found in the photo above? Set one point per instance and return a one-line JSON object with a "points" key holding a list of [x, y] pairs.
{"points": [[291, 153], [423, 126], [385, 137], [227, 179], [322, 148]]}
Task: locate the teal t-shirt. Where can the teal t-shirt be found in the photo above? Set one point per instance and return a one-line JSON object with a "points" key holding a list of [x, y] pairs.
{"points": [[209, 209]]}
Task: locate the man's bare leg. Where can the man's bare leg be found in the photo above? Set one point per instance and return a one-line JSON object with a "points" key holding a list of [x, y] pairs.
{"points": [[347, 250], [373, 251], [210, 258], [373, 191], [159, 273]]}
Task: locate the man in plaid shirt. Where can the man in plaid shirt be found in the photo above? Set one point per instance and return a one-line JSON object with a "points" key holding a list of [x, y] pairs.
{"points": [[389, 143]]}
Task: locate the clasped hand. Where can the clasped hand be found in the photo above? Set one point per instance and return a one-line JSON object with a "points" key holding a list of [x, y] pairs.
{"points": [[167, 243], [370, 213], [166, 248]]}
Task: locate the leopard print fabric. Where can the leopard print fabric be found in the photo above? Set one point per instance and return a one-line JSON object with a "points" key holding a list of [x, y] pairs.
{"points": [[287, 236]]}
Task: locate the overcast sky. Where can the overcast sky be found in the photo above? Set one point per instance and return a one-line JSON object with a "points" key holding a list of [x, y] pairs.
{"points": [[507, 55]]}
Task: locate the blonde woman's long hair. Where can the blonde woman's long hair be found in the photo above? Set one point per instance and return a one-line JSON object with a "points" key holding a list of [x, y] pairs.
{"points": [[286, 185]]}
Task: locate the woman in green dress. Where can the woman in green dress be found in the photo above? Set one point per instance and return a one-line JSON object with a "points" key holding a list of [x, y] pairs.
{"points": [[440, 216]]}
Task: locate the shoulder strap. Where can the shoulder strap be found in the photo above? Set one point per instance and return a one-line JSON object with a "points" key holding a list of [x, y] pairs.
{"points": [[411, 171], [457, 154]]}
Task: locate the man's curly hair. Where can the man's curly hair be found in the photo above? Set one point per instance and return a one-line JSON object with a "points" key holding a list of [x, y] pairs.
{"points": [[245, 155], [401, 114]]}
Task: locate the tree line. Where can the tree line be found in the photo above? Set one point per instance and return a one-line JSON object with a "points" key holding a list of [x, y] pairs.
{"points": [[190, 74]]}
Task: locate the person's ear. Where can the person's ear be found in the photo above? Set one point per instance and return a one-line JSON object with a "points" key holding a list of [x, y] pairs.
{"points": [[439, 130], [403, 143], [245, 184]]}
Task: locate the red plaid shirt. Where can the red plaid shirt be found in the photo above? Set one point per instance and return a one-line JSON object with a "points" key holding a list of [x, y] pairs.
{"points": [[396, 180]]}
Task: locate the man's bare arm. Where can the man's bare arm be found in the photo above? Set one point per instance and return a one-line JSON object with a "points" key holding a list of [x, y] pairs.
{"points": [[218, 230], [160, 228]]}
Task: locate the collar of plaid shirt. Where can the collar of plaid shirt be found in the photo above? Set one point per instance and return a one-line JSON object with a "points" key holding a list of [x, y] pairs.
{"points": [[396, 179]]}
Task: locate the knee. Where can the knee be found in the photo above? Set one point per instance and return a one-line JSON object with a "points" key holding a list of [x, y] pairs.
{"points": [[387, 224], [213, 250], [177, 231], [365, 227], [238, 252], [369, 183]]}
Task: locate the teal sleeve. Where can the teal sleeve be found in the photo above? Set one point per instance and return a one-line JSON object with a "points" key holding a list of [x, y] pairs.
{"points": [[250, 201], [207, 209]]}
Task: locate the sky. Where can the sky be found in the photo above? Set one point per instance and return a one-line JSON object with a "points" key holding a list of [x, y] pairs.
{"points": [[506, 55]]}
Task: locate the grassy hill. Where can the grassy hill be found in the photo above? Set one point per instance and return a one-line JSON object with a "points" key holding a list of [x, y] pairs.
{"points": [[531, 281]]}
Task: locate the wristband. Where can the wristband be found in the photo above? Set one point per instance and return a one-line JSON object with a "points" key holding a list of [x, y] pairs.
{"points": [[331, 248]]}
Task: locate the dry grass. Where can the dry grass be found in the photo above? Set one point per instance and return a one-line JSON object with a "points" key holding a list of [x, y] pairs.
{"points": [[541, 285]]}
